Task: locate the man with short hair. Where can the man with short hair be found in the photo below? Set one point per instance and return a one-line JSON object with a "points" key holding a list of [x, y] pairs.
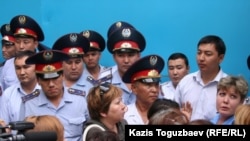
{"points": [[13, 96], [200, 88], [178, 67], [126, 45]]}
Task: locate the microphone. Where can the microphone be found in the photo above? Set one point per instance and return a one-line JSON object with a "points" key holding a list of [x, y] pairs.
{"points": [[21, 125], [33, 136]]}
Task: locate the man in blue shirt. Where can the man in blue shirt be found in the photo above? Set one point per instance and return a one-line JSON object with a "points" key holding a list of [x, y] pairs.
{"points": [[54, 99]]}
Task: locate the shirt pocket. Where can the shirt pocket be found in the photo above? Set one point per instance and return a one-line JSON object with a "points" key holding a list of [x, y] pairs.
{"points": [[75, 126]]}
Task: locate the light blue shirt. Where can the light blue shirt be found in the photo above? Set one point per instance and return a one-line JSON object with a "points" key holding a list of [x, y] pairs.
{"points": [[8, 75], [167, 90], [104, 71], [229, 121], [202, 97], [72, 112], [128, 97], [11, 102]]}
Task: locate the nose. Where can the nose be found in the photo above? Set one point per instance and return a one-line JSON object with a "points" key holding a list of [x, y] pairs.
{"points": [[73, 65], [226, 99], [201, 56], [125, 107], [126, 59], [21, 46], [22, 71], [51, 82], [175, 71]]}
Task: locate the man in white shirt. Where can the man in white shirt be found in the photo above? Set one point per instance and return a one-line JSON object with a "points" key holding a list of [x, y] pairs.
{"points": [[200, 88], [178, 67]]}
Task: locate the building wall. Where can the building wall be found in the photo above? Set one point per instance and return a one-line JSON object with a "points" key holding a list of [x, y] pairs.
{"points": [[168, 25]]}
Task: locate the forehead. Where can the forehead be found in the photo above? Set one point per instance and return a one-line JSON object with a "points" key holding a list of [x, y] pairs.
{"points": [[21, 59], [179, 61], [207, 47]]}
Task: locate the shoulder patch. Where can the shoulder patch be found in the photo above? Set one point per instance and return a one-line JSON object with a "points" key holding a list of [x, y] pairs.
{"points": [[30, 96], [76, 92]]}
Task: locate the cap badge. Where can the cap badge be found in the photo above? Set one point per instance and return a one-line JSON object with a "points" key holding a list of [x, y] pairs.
{"points": [[118, 24], [21, 31], [47, 55], [73, 37], [126, 32], [7, 27], [48, 68], [74, 50], [86, 34], [22, 19], [153, 60], [153, 73], [126, 45]]}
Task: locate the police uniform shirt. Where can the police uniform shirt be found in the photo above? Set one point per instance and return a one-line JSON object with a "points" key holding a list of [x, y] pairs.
{"points": [[202, 97], [72, 112], [79, 87], [128, 97], [104, 72], [167, 90], [8, 77], [11, 102], [132, 116]]}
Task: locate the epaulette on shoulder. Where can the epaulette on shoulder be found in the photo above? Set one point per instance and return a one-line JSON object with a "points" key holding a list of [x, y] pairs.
{"points": [[30, 96], [76, 92], [99, 81]]}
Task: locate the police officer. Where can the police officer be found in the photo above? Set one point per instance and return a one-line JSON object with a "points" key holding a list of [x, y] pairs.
{"points": [[53, 98], [144, 76], [28, 34], [75, 45], [27, 85], [94, 72], [126, 45], [8, 47]]}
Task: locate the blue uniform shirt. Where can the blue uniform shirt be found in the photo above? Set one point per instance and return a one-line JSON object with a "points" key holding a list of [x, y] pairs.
{"points": [[128, 97], [11, 102], [8, 74], [72, 112]]}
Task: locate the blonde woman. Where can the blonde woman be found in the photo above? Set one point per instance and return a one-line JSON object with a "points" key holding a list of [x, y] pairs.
{"points": [[47, 123], [231, 92], [241, 116]]}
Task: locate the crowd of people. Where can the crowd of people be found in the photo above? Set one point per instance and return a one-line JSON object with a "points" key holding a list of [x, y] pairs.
{"points": [[64, 88]]}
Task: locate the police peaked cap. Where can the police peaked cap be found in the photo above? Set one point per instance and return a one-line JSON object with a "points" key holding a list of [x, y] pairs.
{"points": [[117, 25], [147, 69], [25, 26], [97, 42], [126, 38], [72, 43], [6, 33], [48, 62]]}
